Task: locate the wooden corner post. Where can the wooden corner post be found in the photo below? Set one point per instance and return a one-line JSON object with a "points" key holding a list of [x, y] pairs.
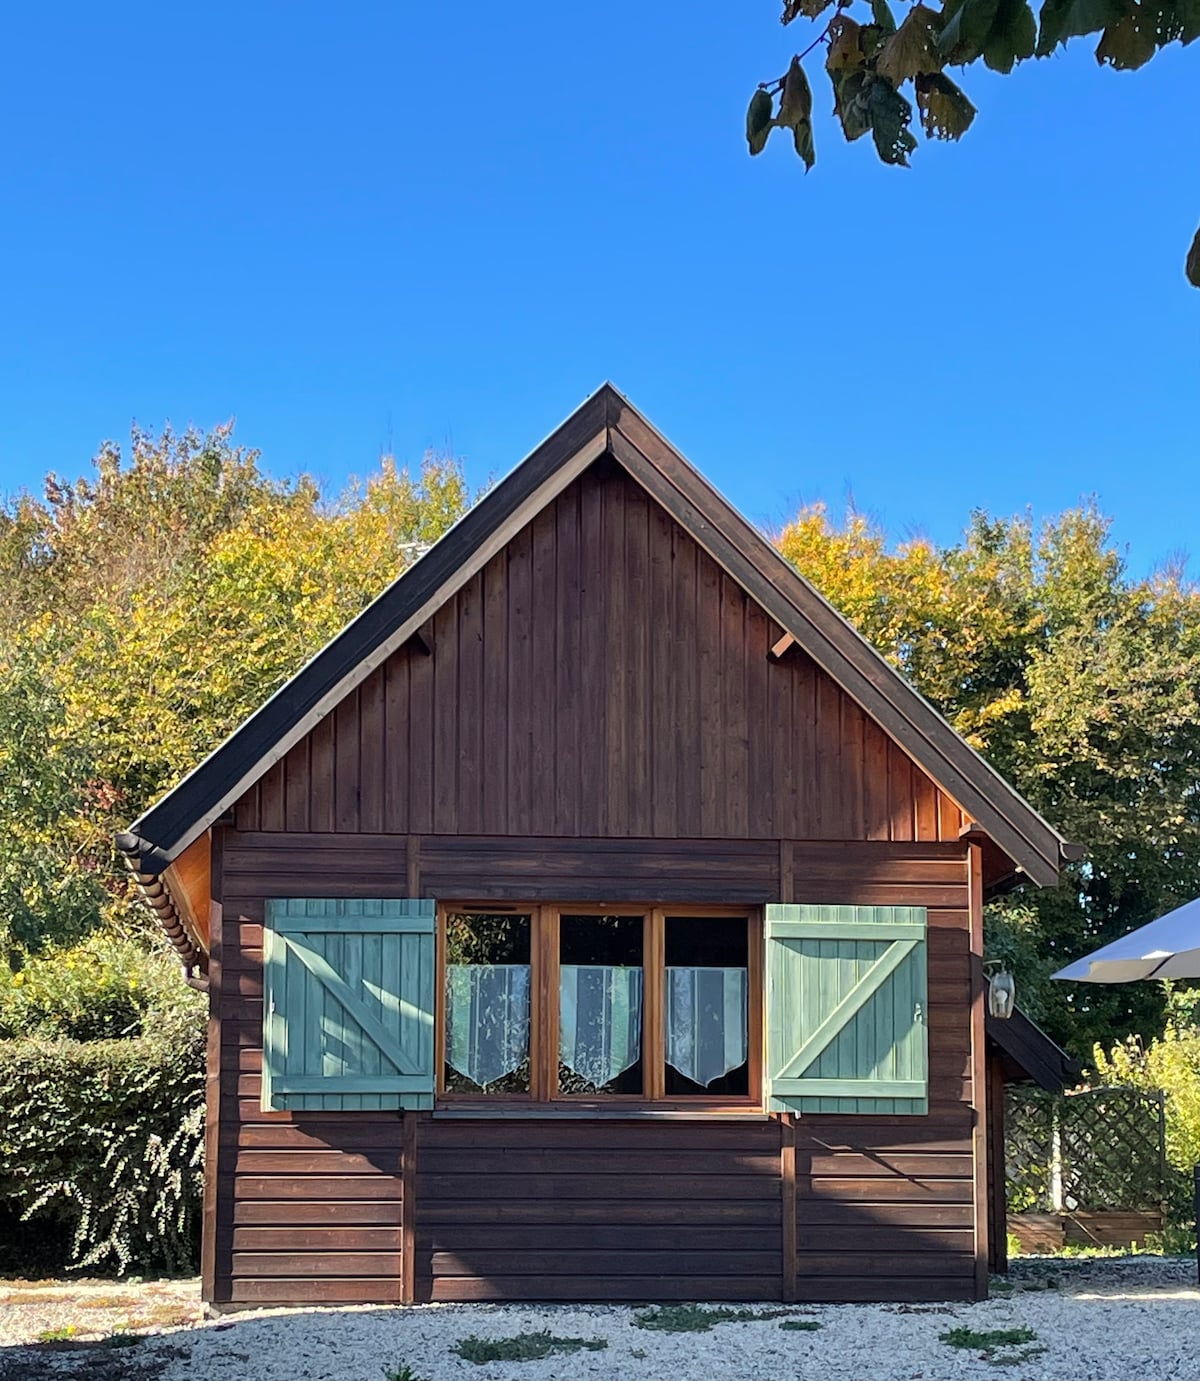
{"points": [[216, 1214], [979, 1089]]}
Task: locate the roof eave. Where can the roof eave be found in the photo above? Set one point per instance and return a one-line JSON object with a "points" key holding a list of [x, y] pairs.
{"points": [[606, 422], [835, 645]]}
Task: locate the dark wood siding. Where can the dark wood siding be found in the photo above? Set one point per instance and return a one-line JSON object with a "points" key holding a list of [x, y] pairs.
{"points": [[885, 1210], [601, 677], [597, 1209], [312, 1207], [594, 717]]}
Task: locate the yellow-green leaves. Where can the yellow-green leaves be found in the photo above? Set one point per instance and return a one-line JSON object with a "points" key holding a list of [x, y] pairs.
{"points": [[144, 613], [862, 99], [1192, 267], [912, 49], [796, 102], [795, 111], [945, 111], [758, 120]]}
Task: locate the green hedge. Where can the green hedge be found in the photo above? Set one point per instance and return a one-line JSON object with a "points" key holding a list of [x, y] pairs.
{"points": [[101, 1143]]}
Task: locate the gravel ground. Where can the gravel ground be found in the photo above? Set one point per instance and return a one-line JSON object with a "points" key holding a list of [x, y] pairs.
{"points": [[1129, 1319]]}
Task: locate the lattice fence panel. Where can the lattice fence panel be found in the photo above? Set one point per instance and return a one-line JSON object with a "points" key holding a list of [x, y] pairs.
{"points": [[1097, 1149]]}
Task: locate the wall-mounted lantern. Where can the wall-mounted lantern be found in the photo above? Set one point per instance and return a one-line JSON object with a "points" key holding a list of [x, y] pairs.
{"points": [[1002, 994]]}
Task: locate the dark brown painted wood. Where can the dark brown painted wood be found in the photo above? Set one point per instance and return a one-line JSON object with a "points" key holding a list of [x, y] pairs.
{"points": [[601, 676], [978, 1073], [214, 1070], [612, 1210], [787, 1202], [409, 1200], [997, 1172], [597, 720]]}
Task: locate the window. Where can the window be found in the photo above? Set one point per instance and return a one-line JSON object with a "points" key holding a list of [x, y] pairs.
{"points": [[487, 1002], [578, 1004]]}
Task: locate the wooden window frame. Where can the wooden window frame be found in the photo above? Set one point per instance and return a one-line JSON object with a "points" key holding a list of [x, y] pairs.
{"points": [[543, 1095]]}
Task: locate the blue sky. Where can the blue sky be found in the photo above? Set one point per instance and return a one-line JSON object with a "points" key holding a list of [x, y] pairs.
{"points": [[355, 227]]}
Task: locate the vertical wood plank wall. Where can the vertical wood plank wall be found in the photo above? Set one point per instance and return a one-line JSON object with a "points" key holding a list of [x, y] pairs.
{"points": [[596, 718], [601, 677]]}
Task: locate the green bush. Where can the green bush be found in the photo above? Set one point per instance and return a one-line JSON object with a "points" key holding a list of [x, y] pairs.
{"points": [[102, 1142], [1170, 1062], [104, 988]]}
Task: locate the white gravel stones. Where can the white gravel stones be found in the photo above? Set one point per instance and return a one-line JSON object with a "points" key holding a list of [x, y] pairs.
{"points": [[1133, 1319]]}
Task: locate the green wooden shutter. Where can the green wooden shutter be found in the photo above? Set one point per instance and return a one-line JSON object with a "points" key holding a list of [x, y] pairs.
{"points": [[845, 1009], [348, 1005]]}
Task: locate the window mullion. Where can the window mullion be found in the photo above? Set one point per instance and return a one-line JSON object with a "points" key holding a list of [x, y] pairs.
{"points": [[654, 982], [546, 1018]]}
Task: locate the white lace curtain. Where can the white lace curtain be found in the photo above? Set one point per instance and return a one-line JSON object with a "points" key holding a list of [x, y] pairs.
{"points": [[706, 1022], [600, 1020], [487, 1019]]}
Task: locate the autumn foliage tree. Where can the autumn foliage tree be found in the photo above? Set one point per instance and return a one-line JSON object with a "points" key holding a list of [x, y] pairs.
{"points": [[1082, 686], [144, 612], [879, 66]]}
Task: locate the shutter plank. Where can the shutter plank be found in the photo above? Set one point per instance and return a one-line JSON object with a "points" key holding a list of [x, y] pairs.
{"points": [[324, 968], [352, 987], [846, 1009]]}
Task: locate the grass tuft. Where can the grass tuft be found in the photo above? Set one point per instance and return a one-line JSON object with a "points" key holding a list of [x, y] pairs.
{"points": [[695, 1318], [800, 1325], [122, 1338], [988, 1338], [524, 1347]]}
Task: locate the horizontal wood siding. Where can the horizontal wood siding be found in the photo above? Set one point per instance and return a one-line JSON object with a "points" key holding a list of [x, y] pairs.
{"points": [[601, 677], [884, 1210], [310, 1207], [315, 1203], [598, 1210]]}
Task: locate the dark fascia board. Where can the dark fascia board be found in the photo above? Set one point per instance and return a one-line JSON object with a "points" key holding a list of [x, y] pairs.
{"points": [[839, 649], [606, 422], [1032, 1051]]}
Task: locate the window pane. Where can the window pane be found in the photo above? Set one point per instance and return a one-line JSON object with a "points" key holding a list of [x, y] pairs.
{"points": [[487, 1003], [707, 1006], [600, 1005]]}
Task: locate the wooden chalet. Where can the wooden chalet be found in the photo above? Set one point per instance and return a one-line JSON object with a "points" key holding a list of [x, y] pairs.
{"points": [[597, 916]]}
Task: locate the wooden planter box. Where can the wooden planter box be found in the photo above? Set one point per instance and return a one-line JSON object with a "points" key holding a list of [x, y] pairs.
{"points": [[1041, 1233]]}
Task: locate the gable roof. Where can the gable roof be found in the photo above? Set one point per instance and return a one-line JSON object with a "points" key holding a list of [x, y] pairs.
{"points": [[606, 424]]}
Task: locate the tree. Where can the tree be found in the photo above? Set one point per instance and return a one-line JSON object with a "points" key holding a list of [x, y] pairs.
{"points": [[872, 62], [144, 612], [1082, 687]]}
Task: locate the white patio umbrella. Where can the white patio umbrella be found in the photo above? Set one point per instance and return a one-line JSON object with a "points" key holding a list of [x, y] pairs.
{"points": [[1166, 948]]}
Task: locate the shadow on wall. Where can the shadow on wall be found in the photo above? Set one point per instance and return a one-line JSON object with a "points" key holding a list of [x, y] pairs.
{"points": [[597, 1210]]}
